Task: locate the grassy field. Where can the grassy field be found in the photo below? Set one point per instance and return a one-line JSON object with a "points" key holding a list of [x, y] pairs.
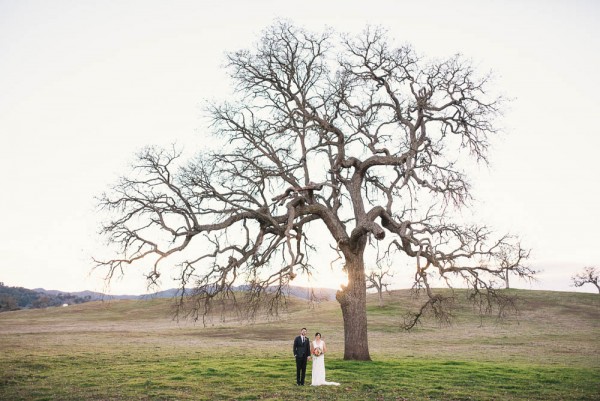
{"points": [[133, 350]]}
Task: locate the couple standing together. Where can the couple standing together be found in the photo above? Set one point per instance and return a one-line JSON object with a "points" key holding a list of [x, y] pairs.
{"points": [[304, 349]]}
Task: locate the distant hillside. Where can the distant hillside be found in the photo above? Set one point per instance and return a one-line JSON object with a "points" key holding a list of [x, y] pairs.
{"points": [[319, 294], [94, 296], [300, 292], [15, 298]]}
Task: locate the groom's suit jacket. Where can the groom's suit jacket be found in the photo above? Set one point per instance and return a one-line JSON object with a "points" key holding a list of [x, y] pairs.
{"points": [[301, 350]]}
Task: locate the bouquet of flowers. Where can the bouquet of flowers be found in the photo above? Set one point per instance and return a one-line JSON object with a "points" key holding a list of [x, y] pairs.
{"points": [[317, 351]]}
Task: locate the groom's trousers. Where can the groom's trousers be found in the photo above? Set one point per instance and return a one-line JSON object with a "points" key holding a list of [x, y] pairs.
{"points": [[300, 369]]}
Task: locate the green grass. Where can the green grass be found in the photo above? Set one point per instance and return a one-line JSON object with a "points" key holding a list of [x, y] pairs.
{"points": [[206, 377], [133, 350]]}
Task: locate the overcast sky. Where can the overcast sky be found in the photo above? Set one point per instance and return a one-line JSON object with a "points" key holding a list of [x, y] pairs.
{"points": [[85, 84]]}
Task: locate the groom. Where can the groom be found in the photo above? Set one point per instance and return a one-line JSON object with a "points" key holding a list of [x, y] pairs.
{"points": [[302, 353]]}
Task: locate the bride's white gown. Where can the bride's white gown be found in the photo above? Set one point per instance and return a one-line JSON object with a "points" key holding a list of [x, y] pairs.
{"points": [[318, 368]]}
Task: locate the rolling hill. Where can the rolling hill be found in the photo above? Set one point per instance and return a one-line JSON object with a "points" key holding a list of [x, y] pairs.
{"points": [[135, 349]]}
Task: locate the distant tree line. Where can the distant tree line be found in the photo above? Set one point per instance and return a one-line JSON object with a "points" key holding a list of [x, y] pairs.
{"points": [[15, 298]]}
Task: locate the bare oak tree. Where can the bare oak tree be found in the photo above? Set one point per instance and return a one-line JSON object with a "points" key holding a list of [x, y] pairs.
{"points": [[589, 275], [350, 137], [377, 278]]}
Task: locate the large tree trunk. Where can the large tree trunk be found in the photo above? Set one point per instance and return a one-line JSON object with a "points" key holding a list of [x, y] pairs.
{"points": [[353, 300]]}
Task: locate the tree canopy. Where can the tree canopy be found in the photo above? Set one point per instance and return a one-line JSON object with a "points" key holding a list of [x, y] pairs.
{"points": [[350, 139]]}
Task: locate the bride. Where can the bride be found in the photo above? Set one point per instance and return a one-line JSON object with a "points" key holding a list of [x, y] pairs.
{"points": [[318, 350]]}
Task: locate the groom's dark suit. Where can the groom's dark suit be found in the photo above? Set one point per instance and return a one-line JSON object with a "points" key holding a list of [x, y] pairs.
{"points": [[301, 352]]}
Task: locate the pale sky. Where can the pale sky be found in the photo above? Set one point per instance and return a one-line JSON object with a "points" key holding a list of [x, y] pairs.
{"points": [[85, 84]]}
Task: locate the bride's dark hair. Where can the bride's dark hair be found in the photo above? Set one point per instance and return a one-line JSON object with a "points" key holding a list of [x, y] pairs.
{"points": [[317, 334]]}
